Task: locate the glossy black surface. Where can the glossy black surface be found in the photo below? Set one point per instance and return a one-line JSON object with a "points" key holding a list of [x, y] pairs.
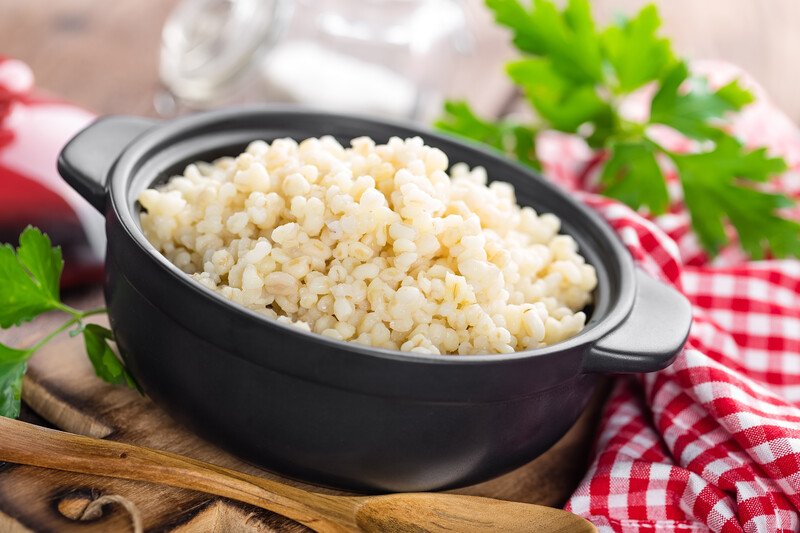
{"points": [[339, 413]]}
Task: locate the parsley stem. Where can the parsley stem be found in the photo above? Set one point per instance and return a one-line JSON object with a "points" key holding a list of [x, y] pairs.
{"points": [[77, 313], [77, 316], [53, 334], [95, 311], [69, 310]]}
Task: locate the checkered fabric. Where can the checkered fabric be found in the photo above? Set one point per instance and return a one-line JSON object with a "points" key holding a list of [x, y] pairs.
{"points": [[713, 442]]}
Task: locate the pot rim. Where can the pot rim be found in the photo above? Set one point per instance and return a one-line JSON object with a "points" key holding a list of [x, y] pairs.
{"points": [[127, 166]]}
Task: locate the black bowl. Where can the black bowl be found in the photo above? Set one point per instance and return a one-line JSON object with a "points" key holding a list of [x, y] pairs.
{"points": [[338, 413]]}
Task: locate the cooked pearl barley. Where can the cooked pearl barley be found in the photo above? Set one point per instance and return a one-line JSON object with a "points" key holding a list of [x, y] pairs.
{"points": [[374, 244]]}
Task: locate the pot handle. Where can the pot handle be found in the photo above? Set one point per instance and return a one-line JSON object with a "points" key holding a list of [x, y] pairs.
{"points": [[86, 160], [650, 337]]}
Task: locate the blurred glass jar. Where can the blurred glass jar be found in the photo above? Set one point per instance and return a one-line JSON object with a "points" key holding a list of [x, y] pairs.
{"points": [[382, 57]]}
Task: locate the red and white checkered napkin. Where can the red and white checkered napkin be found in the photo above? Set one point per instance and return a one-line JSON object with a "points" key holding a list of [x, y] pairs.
{"points": [[713, 442]]}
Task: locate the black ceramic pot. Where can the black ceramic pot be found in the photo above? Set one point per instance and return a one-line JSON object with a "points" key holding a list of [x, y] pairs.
{"points": [[338, 413]]}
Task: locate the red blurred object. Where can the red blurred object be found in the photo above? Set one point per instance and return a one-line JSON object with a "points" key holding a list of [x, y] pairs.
{"points": [[33, 129]]}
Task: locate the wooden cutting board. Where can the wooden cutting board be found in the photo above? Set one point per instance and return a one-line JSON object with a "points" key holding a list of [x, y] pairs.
{"points": [[61, 390]]}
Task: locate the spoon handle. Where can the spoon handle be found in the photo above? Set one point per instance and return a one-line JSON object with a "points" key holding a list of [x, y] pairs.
{"points": [[28, 444]]}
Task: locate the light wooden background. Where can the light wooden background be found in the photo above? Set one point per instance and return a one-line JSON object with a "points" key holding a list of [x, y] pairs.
{"points": [[103, 54]]}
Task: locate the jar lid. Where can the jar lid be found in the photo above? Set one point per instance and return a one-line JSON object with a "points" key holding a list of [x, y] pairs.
{"points": [[210, 45]]}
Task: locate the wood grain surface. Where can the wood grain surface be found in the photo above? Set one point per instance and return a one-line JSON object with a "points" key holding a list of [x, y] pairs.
{"points": [[61, 389]]}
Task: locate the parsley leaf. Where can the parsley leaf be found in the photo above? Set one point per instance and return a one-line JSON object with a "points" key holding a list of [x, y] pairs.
{"points": [[29, 285], [524, 147], [564, 104], [569, 39], [632, 175], [736, 95], [511, 139], [12, 368], [41, 259], [576, 78], [689, 112], [28, 278], [635, 52], [713, 197], [460, 119], [106, 364]]}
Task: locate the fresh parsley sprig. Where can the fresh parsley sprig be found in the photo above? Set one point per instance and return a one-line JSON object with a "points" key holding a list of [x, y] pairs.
{"points": [[575, 78], [29, 286]]}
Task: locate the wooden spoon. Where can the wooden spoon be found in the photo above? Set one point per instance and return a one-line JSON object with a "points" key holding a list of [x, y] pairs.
{"points": [[28, 444]]}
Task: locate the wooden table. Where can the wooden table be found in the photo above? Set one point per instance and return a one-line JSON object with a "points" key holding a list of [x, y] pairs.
{"points": [[104, 56]]}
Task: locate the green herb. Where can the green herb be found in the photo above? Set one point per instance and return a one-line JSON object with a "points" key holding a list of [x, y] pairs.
{"points": [[29, 286], [516, 139], [575, 77], [104, 360]]}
